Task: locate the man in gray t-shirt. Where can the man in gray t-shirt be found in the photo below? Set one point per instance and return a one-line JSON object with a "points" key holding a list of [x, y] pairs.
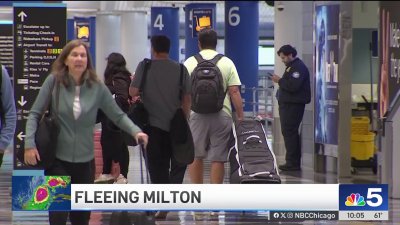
{"points": [[161, 100], [161, 90]]}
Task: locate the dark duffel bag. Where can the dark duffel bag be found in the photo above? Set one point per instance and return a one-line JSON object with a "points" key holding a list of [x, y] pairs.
{"points": [[251, 159]]}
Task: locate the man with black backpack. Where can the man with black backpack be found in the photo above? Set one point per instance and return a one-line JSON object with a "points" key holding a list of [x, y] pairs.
{"points": [[215, 83], [7, 112]]}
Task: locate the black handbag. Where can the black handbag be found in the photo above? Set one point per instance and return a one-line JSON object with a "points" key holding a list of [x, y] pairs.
{"points": [[139, 115], [180, 133], [46, 134], [137, 112]]}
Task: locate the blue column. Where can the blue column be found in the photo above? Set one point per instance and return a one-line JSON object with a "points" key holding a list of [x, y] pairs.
{"points": [[70, 29], [197, 10], [241, 43], [165, 21], [92, 39]]}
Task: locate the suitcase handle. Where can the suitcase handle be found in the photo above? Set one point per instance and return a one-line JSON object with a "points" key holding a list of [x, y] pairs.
{"points": [[143, 154]]}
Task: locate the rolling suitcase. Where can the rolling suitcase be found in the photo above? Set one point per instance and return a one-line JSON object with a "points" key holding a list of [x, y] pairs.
{"points": [[250, 158], [135, 218]]}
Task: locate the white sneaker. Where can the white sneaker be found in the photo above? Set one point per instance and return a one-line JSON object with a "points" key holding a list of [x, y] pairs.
{"points": [[104, 179], [121, 180], [214, 213]]}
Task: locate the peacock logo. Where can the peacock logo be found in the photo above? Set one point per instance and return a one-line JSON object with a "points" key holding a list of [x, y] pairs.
{"points": [[355, 200]]}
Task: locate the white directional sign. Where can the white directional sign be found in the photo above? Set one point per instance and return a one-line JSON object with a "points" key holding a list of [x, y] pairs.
{"points": [[22, 102], [22, 15], [37, 41], [21, 136]]}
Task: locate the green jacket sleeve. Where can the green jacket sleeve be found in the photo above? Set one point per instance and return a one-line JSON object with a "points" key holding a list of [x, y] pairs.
{"points": [[115, 114], [36, 112]]}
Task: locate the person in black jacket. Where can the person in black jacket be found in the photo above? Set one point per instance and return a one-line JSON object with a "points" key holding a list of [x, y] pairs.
{"points": [[294, 92], [117, 78]]}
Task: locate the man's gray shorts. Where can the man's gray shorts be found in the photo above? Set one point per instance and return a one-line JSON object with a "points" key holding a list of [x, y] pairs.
{"points": [[211, 133]]}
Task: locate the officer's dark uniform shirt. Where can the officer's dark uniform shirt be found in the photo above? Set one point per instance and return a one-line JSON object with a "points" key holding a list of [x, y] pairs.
{"points": [[294, 86]]}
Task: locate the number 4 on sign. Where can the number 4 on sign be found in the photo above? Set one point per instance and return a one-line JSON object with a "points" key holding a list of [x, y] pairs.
{"points": [[158, 22]]}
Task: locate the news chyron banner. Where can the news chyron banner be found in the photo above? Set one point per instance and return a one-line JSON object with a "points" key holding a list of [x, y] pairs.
{"points": [[285, 202], [38, 41]]}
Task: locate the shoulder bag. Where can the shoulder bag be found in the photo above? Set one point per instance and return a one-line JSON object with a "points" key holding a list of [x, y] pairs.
{"points": [[180, 133], [47, 133], [137, 112]]}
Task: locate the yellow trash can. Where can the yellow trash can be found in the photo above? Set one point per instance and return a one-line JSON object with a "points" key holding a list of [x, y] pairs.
{"points": [[362, 146], [360, 125]]}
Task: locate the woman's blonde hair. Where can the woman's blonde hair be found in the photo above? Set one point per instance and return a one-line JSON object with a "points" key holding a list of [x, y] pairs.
{"points": [[60, 70]]}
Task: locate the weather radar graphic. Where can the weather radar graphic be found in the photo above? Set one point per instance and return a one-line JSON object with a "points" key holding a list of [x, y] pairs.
{"points": [[41, 193]]}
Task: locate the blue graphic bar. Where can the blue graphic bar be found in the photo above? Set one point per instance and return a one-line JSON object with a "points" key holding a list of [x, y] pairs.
{"points": [[46, 5], [363, 197]]}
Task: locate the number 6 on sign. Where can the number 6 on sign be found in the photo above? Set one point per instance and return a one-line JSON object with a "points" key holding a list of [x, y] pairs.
{"points": [[373, 193], [232, 15], [158, 22]]}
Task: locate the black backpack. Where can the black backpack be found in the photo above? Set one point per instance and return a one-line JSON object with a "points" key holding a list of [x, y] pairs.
{"points": [[208, 92]]}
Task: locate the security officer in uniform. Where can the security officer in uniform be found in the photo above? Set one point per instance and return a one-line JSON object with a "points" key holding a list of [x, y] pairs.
{"points": [[293, 94]]}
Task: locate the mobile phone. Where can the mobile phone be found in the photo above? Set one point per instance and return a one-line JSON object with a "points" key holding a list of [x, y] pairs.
{"points": [[270, 75]]}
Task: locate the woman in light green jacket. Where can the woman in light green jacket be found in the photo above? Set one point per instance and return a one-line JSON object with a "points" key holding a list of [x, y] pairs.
{"points": [[81, 95]]}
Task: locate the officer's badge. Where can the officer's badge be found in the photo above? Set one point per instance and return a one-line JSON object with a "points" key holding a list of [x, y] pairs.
{"points": [[296, 75]]}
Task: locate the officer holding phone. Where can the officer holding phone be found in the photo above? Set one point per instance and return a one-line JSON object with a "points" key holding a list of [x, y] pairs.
{"points": [[294, 92]]}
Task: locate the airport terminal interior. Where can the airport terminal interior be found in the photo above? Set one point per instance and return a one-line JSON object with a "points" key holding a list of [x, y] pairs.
{"points": [[348, 132]]}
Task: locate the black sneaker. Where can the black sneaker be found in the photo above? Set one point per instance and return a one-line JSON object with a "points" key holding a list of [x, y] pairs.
{"points": [[289, 168]]}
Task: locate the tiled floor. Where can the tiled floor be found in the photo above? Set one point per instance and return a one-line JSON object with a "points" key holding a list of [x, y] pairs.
{"points": [[224, 218]]}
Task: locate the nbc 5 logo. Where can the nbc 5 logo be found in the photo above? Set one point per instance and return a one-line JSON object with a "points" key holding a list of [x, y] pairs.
{"points": [[363, 197]]}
